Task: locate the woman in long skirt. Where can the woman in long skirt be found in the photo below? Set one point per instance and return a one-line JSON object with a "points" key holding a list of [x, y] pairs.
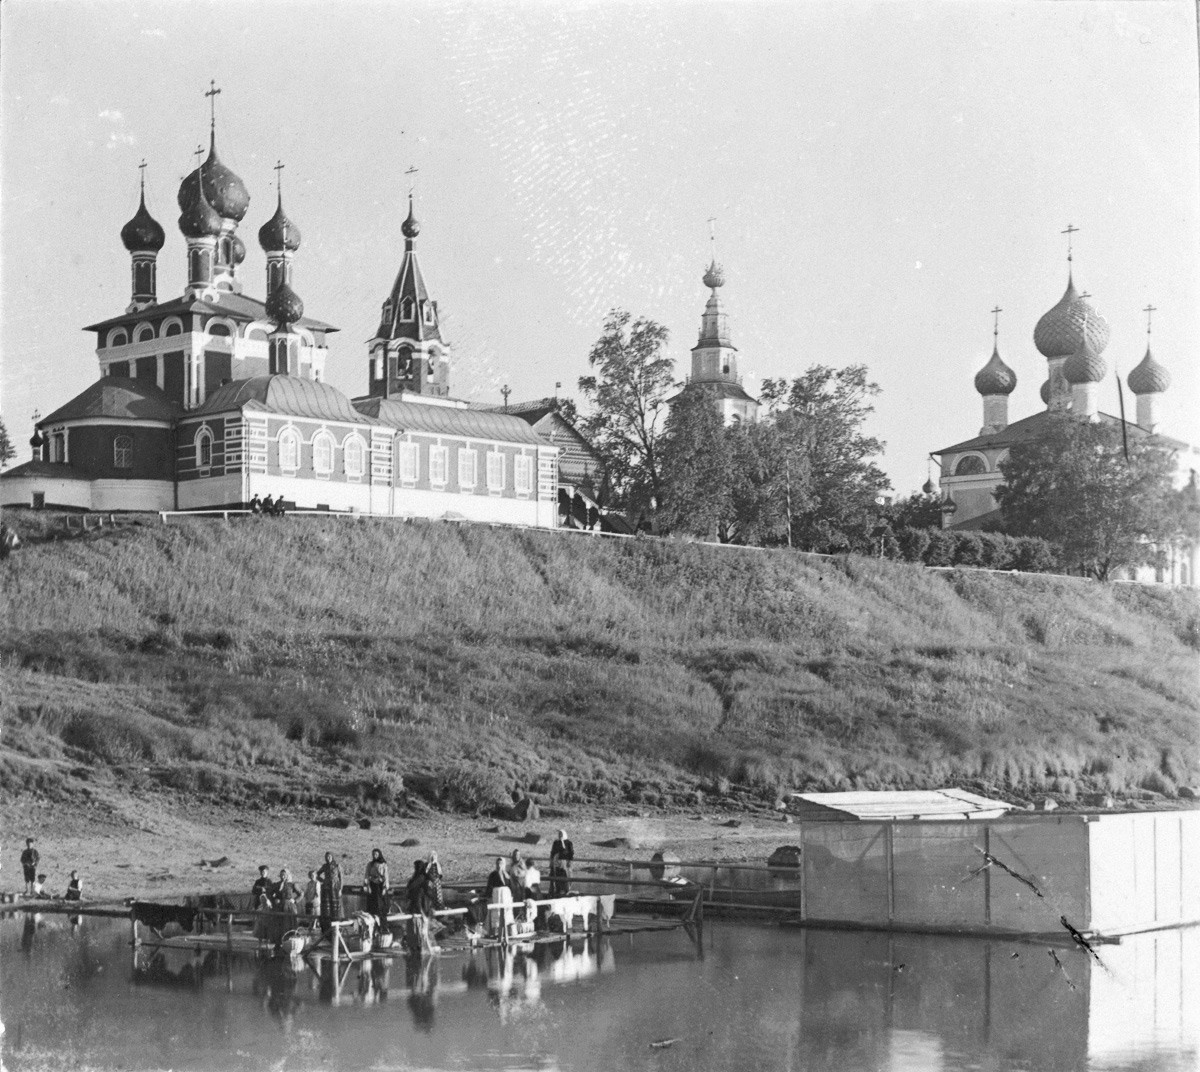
{"points": [[377, 886]]}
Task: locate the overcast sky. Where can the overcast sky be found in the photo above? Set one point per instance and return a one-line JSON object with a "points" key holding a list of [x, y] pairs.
{"points": [[882, 175]]}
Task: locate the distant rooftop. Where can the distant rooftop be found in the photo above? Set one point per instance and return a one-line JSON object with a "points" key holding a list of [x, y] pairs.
{"points": [[895, 804]]}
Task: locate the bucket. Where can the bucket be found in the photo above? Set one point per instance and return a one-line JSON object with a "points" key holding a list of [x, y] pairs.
{"points": [[294, 942]]}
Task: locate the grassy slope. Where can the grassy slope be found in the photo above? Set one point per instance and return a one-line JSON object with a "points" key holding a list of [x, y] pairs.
{"points": [[327, 657]]}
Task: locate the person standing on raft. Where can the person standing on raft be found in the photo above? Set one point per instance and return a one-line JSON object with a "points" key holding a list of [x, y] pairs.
{"points": [[377, 886], [562, 852], [330, 877]]}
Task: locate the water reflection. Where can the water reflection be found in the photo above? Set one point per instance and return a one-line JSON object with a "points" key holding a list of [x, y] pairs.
{"points": [[760, 997]]}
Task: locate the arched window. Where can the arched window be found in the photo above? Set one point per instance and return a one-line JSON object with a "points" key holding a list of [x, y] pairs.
{"points": [[322, 454], [289, 450], [145, 332], [257, 334], [428, 307], [204, 442], [118, 338], [218, 329], [406, 309], [174, 328], [123, 452], [353, 453], [971, 465]]}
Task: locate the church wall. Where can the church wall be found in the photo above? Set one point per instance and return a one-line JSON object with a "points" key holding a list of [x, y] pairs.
{"points": [[482, 448], [119, 368], [20, 491], [173, 376], [146, 369], [211, 493], [218, 368], [108, 495], [186, 467], [91, 451]]}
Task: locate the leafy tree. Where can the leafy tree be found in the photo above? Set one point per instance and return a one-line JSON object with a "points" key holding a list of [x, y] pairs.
{"points": [[916, 512], [826, 409], [7, 450], [696, 468], [759, 491], [625, 395], [1074, 487]]}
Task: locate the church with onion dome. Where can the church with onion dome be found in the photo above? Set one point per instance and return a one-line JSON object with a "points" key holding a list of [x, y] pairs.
{"points": [[214, 398], [1072, 337]]}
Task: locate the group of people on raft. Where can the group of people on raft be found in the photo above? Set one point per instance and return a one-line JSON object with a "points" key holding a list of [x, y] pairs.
{"points": [[321, 896]]}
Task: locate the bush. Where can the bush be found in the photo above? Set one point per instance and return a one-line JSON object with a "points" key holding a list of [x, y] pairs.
{"points": [[381, 786], [472, 787], [913, 543]]}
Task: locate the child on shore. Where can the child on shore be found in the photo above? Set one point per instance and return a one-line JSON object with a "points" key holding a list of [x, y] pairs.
{"points": [[312, 896]]}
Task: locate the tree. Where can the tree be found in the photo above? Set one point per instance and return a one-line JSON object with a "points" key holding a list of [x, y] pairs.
{"points": [[916, 512], [625, 395], [821, 424], [7, 450], [696, 468], [1075, 487]]}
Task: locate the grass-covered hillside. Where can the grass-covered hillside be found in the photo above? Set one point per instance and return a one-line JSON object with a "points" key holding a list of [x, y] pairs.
{"points": [[303, 659]]}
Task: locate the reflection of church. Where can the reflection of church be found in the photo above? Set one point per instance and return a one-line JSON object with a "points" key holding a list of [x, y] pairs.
{"points": [[1071, 336], [211, 398]]}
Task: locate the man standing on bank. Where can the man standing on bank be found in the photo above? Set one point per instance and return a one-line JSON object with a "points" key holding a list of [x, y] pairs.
{"points": [[562, 852]]}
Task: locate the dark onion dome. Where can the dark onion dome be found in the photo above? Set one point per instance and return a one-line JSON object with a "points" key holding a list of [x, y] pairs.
{"points": [[279, 233], [714, 276], [411, 227], [237, 250], [1148, 376], [1084, 366], [223, 189], [995, 378], [36, 439], [200, 219], [929, 487], [1045, 392], [284, 305], [143, 232], [1061, 329]]}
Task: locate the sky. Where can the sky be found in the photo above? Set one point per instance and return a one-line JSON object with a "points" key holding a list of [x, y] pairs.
{"points": [[882, 175]]}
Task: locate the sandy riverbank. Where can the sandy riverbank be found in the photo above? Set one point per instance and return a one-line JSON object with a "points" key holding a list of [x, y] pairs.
{"points": [[155, 849]]}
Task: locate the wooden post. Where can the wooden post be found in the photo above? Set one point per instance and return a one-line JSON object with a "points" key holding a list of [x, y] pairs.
{"points": [[888, 847], [229, 933]]}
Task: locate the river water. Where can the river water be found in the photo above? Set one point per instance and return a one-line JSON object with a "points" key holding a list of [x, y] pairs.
{"points": [[734, 997]]}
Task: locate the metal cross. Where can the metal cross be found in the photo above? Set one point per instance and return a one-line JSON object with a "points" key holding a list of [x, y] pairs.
{"points": [[1149, 311], [996, 321], [142, 169], [198, 152], [1069, 232], [712, 235], [212, 95], [411, 171], [506, 391], [278, 169]]}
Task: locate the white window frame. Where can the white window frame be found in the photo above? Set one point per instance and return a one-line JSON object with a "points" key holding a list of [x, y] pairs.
{"points": [[439, 465], [354, 447], [144, 332], [410, 462], [123, 452], [203, 440], [408, 310], [289, 438], [523, 474], [495, 461], [322, 441], [468, 468]]}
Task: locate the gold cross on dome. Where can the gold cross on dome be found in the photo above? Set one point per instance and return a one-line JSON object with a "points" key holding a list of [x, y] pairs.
{"points": [[1069, 232], [278, 169], [1150, 310], [996, 321]]}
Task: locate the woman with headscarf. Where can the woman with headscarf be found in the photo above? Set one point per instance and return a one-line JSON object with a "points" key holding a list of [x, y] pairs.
{"points": [[417, 899], [377, 886], [433, 875], [330, 877]]}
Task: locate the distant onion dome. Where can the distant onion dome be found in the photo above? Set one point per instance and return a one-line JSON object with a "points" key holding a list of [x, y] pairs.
{"points": [[36, 440], [1148, 376], [1061, 329], [237, 250], [143, 232], [929, 487], [1045, 392], [284, 306], [224, 190], [199, 218], [279, 233], [411, 227], [995, 378], [1084, 366], [714, 276]]}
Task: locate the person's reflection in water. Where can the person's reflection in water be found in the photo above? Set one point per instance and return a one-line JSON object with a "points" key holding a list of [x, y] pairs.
{"points": [[328, 991], [281, 993], [381, 970], [421, 975], [28, 931]]}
